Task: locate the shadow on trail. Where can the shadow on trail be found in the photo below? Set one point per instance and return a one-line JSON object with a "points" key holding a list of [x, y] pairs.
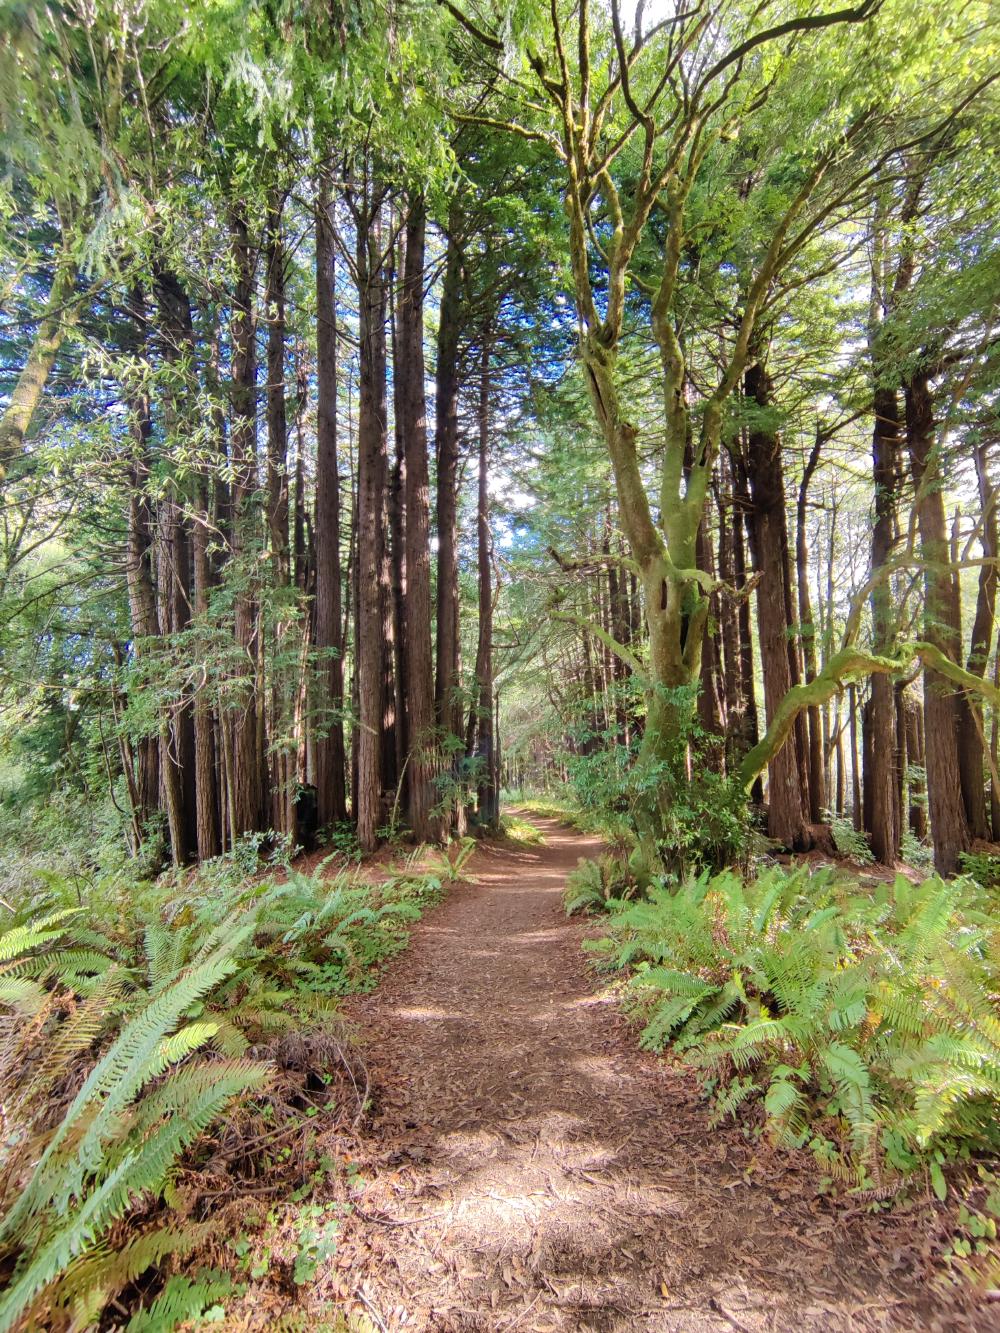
{"points": [[529, 1168]]}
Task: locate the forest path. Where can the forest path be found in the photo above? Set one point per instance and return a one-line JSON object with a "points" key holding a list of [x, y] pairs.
{"points": [[528, 1168]]}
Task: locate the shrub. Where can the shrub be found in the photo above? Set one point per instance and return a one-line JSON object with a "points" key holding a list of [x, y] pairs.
{"points": [[864, 1026], [983, 867], [849, 841]]}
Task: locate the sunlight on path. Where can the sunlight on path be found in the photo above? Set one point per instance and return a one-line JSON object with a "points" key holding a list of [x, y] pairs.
{"points": [[531, 1169]]}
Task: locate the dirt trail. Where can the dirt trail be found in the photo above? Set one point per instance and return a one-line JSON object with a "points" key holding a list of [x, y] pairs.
{"points": [[528, 1169]]}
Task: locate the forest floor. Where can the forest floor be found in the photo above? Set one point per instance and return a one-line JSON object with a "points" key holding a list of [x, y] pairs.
{"points": [[526, 1167]]}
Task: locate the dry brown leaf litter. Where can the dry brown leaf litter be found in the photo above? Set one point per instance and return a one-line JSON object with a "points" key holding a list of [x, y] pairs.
{"points": [[525, 1167]]}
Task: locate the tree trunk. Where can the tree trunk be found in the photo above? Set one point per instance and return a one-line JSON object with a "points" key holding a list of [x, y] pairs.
{"points": [[419, 684], [330, 761], [277, 414], [787, 814], [857, 812], [139, 582], [749, 727], [971, 748], [942, 627], [372, 477], [882, 780], [913, 721], [284, 685], [807, 634], [447, 703], [247, 796], [173, 584], [57, 319], [488, 797]]}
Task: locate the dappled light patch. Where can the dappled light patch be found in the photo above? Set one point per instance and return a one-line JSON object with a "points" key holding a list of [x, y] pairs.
{"points": [[525, 1167]]}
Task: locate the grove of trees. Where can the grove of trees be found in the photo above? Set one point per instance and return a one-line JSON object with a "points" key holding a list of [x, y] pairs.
{"points": [[401, 402]]}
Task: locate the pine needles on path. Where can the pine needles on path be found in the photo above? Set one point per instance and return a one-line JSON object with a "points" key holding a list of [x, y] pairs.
{"points": [[527, 1168]]}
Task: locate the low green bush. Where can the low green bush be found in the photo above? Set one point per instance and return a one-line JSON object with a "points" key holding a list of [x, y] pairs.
{"points": [[863, 1026]]}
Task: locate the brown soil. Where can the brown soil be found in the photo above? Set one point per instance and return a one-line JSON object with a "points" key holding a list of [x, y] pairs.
{"points": [[527, 1168]]}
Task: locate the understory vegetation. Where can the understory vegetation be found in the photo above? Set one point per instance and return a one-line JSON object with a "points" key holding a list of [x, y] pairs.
{"points": [[405, 402], [166, 1048], [856, 1021]]}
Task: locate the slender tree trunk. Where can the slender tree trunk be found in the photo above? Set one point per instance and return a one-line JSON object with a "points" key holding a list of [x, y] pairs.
{"points": [[732, 672], [247, 797], [807, 633], [419, 694], [330, 760], [710, 703], [395, 740], [882, 781], [277, 413], [139, 581], [488, 797], [178, 768], [914, 722], [372, 478], [749, 730], [284, 685], [447, 680], [59, 316], [856, 804], [206, 786]]}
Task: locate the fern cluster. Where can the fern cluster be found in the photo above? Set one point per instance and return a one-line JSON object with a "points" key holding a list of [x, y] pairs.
{"points": [[600, 885], [864, 1024], [128, 1029]]}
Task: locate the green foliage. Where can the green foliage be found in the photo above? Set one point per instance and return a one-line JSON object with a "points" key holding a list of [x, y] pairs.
{"points": [[865, 1026], [667, 797], [521, 830], [983, 867], [600, 885], [917, 854], [342, 839], [147, 1099], [181, 1300], [126, 1029], [849, 841]]}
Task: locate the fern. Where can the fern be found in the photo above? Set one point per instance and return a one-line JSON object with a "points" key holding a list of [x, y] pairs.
{"points": [[131, 1020], [868, 1021], [182, 1299]]}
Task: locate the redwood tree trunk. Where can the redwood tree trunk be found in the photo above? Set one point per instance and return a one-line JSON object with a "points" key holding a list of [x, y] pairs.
{"points": [[419, 683], [787, 813], [446, 688], [488, 797], [372, 478], [942, 622], [246, 794], [882, 801], [330, 770]]}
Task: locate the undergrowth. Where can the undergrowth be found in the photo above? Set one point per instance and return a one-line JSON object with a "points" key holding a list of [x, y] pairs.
{"points": [[521, 830], [611, 828], [862, 1026], [601, 885], [162, 1048]]}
